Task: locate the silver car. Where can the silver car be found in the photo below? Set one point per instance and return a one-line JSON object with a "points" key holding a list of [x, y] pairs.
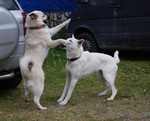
{"points": [[12, 44]]}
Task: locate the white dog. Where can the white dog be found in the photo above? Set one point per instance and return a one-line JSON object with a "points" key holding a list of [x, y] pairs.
{"points": [[83, 63], [38, 42]]}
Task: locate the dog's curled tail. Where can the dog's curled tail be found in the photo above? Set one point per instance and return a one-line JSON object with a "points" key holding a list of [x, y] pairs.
{"points": [[116, 57], [26, 64], [30, 65]]}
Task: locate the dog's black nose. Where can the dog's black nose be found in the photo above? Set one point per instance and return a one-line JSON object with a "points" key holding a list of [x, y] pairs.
{"points": [[47, 20], [62, 46], [33, 16]]}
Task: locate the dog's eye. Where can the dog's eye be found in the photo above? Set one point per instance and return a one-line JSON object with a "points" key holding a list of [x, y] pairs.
{"points": [[70, 40]]}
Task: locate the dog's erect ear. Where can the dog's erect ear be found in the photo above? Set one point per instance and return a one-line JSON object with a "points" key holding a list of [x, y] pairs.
{"points": [[73, 36], [33, 16], [80, 42]]}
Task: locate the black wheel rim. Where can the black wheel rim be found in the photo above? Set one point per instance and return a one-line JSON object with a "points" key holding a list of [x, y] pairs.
{"points": [[87, 45]]}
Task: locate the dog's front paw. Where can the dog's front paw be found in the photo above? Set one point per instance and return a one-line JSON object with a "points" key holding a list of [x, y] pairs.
{"points": [[101, 94], [62, 103], [59, 100], [68, 21], [109, 99], [66, 42]]}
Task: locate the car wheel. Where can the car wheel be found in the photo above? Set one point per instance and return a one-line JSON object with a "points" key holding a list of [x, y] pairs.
{"points": [[89, 42], [12, 82]]}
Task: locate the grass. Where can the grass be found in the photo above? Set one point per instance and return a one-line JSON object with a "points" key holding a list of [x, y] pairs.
{"points": [[132, 101]]}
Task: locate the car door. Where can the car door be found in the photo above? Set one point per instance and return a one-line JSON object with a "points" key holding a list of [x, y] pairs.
{"points": [[136, 24], [109, 25]]}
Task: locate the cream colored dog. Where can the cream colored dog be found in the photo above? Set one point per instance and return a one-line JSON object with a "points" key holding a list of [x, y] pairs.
{"points": [[38, 42], [83, 63]]}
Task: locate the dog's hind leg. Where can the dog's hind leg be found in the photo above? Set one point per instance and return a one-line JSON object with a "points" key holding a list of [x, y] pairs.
{"points": [[101, 78], [65, 89], [26, 91], [114, 92], [38, 90], [36, 101], [110, 79], [37, 95]]}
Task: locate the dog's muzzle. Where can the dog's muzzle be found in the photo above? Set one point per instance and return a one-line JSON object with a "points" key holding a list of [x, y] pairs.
{"points": [[62, 46], [47, 20]]}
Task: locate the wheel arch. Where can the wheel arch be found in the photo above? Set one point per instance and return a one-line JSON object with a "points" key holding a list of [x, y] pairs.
{"points": [[83, 29]]}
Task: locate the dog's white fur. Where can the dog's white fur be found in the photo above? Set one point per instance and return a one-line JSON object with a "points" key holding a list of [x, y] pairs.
{"points": [[88, 63], [38, 43]]}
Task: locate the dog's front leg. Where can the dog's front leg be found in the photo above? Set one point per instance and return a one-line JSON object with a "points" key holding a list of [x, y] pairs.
{"points": [[69, 93], [54, 30], [54, 43], [65, 89]]}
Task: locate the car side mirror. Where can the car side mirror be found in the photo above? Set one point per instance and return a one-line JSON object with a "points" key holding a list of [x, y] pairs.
{"points": [[83, 1]]}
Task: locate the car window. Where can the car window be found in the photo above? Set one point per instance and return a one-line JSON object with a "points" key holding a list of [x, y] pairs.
{"points": [[8, 4]]}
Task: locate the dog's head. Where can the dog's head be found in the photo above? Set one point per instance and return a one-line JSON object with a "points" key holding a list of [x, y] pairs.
{"points": [[74, 44], [35, 18]]}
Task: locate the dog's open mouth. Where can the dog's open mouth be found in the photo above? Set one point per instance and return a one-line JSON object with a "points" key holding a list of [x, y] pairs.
{"points": [[62, 46]]}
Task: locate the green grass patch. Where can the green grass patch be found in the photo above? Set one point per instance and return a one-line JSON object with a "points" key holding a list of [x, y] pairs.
{"points": [[131, 102]]}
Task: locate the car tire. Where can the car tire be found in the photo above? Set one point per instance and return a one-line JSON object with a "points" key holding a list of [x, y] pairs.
{"points": [[89, 42], [12, 82]]}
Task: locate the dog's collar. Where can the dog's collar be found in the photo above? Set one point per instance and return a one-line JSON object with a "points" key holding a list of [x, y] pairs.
{"points": [[73, 59], [38, 27]]}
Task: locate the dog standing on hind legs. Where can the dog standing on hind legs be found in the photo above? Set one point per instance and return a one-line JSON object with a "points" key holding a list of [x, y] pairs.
{"points": [[83, 63], [38, 42]]}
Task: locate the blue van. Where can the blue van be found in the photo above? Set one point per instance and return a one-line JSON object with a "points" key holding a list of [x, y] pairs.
{"points": [[112, 24]]}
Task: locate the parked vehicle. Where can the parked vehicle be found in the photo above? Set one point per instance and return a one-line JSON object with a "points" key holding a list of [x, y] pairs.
{"points": [[12, 44], [112, 24]]}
